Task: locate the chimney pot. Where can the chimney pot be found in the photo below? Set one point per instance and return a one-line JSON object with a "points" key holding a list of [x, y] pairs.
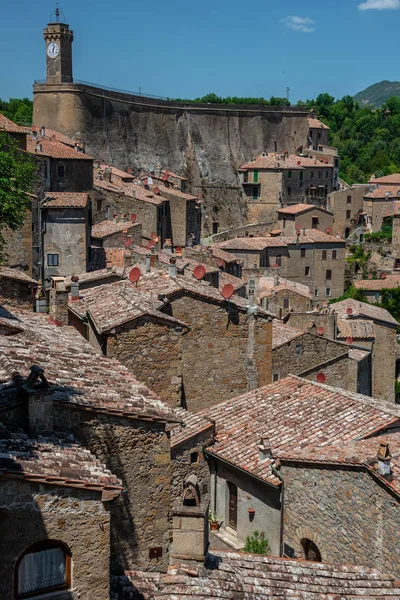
{"points": [[384, 460], [172, 269], [264, 449]]}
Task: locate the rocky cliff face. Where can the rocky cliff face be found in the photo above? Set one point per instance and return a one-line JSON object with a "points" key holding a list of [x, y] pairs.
{"points": [[206, 142]]}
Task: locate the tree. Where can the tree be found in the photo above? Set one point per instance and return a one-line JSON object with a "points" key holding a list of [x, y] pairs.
{"points": [[17, 174], [18, 110]]}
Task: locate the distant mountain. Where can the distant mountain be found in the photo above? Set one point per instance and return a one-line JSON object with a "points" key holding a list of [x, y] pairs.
{"points": [[377, 94]]}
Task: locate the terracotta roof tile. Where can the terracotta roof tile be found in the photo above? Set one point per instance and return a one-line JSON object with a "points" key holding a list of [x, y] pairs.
{"points": [[390, 282], [393, 179], [16, 274], [65, 200], [57, 456], [105, 228], [358, 329], [281, 334], [273, 161], [362, 310], [308, 236], [9, 126], [316, 124], [384, 192], [240, 576], [191, 425], [292, 413], [268, 286], [77, 374], [298, 209], [54, 149]]}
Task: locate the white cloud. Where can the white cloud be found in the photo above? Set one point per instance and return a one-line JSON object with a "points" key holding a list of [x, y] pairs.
{"points": [[379, 5], [304, 24]]}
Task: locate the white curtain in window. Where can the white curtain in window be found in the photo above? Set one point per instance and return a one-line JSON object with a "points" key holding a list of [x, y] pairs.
{"points": [[41, 570]]}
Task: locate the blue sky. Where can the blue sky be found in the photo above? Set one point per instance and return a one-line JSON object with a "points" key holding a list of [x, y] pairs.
{"points": [[185, 48]]}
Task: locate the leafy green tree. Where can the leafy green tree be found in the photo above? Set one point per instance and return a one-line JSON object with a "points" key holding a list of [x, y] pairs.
{"points": [[17, 174], [18, 110], [351, 292]]}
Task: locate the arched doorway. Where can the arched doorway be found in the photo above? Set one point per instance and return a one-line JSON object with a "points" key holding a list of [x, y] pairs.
{"points": [[310, 550]]}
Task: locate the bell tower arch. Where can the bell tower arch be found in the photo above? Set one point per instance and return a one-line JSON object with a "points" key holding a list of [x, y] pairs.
{"points": [[58, 37]]}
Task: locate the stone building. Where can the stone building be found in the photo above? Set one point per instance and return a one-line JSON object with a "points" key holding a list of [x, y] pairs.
{"points": [[285, 419], [65, 238], [372, 288], [304, 216], [318, 133], [373, 329], [272, 180], [179, 336], [347, 207], [279, 296], [378, 203], [313, 258], [16, 286], [14, 131]]}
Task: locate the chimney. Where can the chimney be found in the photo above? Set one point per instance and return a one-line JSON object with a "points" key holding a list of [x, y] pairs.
{"points": [[58, 303], [74, 288], [153, 259], [39, 402], [264, 449], [43, 130], [38, 147], [127, 259], [384, 458], [167, 246], [40, 300], [148, 263], [172, 270], [133, 194], [252, 290]]}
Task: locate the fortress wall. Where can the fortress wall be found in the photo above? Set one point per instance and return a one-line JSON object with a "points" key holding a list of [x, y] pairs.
{"points": [[205, 142]]}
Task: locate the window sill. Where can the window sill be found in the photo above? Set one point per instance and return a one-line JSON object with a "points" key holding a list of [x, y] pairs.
{"points": [[68, 593]]}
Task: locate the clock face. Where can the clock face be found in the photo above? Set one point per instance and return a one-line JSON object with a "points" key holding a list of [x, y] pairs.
{"points": [[53, 50]]}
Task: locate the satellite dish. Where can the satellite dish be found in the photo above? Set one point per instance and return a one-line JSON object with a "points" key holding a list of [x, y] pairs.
{"points": [[199, 272], [133, 218], [128, 243], [151, 244], [299, 162], [153, 235], [75, 278], [329, 229], [349, 340], [134, 275], [178, 250], [227, 291], [370, 275], [349, 311], [321, 378], [383, 276], [157, 191], [220, 262], [320, 331]]}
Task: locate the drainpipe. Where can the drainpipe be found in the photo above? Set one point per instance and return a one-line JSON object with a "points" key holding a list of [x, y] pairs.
{"points": [[280, 477]]}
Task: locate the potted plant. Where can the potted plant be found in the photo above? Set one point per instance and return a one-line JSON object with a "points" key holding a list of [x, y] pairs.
{"points": [[213, 520]]}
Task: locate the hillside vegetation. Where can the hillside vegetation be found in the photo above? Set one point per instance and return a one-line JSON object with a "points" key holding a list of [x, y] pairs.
{"points": [[18, 110], [376, 95]]}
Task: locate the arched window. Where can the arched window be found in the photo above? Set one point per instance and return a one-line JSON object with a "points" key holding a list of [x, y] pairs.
{"points": [[43, 567], [311, 551]]}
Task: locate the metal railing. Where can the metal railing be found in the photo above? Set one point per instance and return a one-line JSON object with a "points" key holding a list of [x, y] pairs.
{"points": [[109, 89]]}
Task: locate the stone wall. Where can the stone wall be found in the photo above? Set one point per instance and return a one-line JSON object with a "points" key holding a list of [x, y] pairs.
{"points": [[32, 512], [117, 240], [188, 458], [78, 175], [18, 291], [206, 143], [342, 372], [384, 356], [152, 350], [138, 452], [297, 302], [346, 206], [345, 511]]}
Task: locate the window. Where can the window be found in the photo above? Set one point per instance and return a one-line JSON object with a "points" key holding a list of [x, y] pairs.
{"points": [[52, 260], [60, 171], [215, 227], [328, 292], [44, 567], [284, 222], [286, 303], [276, 377], [290, 174], [303, 253], [319, 174], [326, 174], [311, 551], [334, 254], [328, 274], [397, 263], [323, 254], [255, 177], [299, 349], [98, 205], [316, 292], [312, 174], [245, 177], [289, 191], [255, 192], [348, 199], [194, 457], [301, 175], [315, 222], [307, 272], [348, 214], [278, 260]]}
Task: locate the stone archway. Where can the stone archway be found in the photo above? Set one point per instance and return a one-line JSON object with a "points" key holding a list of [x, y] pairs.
{"points": [[309, 546]]}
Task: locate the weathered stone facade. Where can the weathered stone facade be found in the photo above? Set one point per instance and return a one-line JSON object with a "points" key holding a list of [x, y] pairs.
{"points": [[33, 512], [348, 515], [346, 206]]}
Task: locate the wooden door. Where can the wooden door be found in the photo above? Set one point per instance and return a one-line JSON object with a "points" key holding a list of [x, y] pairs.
{"points": [[232, 505]]}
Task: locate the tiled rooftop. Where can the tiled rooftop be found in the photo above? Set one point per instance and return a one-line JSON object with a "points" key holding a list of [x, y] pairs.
{"points": [[281, 334], [267, 286], [106, 228], [54, 149], [298, 209], [240, 576], [390, 282], [118, 172], [316, 124], [9, 126], [127, 189], [76, 372], [292, 413], [56, 459], [307, 236], [393, 179], [363, 310], [384, 192], [193, 424], [98, 274], [16, 274], [218, 253], [280, 161], [65, 200], [358, 329]]}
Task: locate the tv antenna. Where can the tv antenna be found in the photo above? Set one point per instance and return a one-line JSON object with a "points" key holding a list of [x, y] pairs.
{"points": [[57, 13], [287, 92]]}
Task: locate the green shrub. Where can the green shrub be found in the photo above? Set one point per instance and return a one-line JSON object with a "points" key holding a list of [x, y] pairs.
{"points": [[257, 544]]}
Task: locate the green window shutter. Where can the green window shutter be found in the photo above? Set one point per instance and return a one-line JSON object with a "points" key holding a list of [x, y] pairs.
{"points": [[255, 177]]}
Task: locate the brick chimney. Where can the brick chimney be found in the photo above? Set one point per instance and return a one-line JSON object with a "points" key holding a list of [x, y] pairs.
{"points": [[264, 449], [58, 303], [384, 460]]}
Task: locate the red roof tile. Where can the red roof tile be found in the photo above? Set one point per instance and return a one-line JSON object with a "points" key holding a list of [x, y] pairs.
{"points": [[390, 282], [316, 124], [9, 126], [54, 149], [274, 161], [393, 179], [384, 192], [105, 228], [16, 274], [298, 209], [65, 200]]}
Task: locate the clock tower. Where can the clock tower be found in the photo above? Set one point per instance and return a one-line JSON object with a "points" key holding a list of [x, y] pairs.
{"points": [[58, 38]]}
